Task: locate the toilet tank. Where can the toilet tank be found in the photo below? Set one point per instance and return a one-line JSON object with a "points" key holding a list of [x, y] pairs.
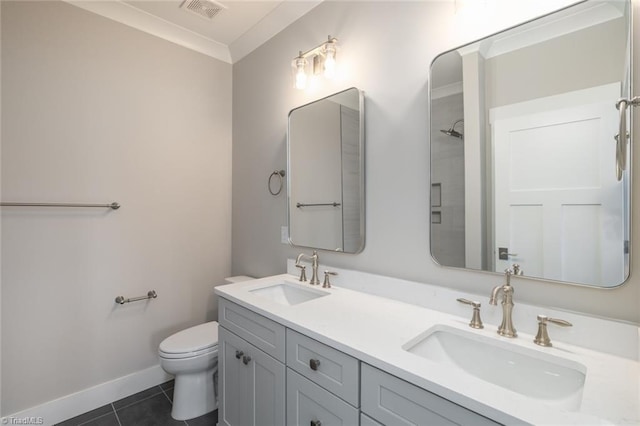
{"points": [[237, 279]]}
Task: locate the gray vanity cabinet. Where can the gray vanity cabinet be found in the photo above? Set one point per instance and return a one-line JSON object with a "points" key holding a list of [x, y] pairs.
{"points": [[252, 381], [272, 375]]}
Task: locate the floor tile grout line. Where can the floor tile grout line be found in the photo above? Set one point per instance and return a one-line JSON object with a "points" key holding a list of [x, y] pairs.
{"points": [[165, 394], [140, 400], [116, 413], [94, 418]]}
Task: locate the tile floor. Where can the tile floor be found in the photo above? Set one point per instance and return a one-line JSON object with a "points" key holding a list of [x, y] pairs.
{"points": [[151, 407]]}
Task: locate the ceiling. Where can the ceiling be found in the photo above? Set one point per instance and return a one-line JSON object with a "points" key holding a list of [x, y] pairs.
{"points": [[238, 27]]}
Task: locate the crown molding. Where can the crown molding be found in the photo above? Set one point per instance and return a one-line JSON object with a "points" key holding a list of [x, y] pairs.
{"points": [[281, 17], [151, 24], [574, 18], [277, 20]]}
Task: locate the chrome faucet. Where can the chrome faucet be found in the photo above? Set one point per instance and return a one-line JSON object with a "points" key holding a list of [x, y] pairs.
{"points": [[314, 266], [506, 327]]}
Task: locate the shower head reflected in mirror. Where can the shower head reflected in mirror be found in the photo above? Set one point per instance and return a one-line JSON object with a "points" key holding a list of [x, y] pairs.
{"points": [[452, 131]]}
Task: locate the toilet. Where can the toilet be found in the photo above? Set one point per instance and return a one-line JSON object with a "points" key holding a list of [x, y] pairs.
{"points": [[191, 355]]}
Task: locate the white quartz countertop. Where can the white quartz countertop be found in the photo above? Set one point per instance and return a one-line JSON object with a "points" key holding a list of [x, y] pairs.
{"points": [[374, 329]]}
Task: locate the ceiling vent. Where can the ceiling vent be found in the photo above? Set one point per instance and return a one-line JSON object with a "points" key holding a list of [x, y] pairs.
{"points": [[207, 9]]}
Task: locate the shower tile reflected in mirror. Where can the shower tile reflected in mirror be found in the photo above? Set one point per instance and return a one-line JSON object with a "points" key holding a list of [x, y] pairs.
{"points": [[436, 217], [447, 173], [436, 195]]}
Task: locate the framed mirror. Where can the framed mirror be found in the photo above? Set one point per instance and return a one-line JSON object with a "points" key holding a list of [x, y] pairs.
{"points": [[325, 149], [523, 148]]}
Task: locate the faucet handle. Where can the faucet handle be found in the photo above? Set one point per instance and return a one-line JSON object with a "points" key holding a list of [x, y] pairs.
{"points": [[303, 273], [327, 283], [516, 269], [476, 322], [542, 337]]}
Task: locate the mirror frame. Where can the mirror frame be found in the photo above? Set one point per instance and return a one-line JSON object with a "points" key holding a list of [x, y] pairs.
{"points": [[361, 164], [628, 208]]}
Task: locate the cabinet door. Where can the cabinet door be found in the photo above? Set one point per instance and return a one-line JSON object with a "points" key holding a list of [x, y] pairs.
{"points": [[232, 379], [268, 388], [310, 405], [252, 384]]}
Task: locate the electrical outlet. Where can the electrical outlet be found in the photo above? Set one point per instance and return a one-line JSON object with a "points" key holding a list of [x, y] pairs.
{"points": [[284, 234]]}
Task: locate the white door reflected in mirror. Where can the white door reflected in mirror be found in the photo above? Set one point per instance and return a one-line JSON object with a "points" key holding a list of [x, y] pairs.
{"points": [[533, 180]]}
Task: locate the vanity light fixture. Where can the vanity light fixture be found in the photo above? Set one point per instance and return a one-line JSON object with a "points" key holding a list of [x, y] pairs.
{"points": [[320, 59]]}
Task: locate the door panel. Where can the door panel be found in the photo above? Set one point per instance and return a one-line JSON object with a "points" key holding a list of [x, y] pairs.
{"points": [[560, 215]]}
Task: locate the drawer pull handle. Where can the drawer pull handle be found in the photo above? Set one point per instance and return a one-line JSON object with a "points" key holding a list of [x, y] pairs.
{"points": [[314, 364], [246, 359], [316, 423], [239, 354]]}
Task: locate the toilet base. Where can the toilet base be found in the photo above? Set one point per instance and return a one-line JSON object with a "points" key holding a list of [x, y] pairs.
{"points": [[194, 395]]}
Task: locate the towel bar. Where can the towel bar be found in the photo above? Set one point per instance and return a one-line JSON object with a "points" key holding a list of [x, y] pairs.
{"points": [[150, 295]]}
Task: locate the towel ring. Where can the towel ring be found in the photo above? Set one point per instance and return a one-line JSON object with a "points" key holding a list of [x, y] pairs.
{"points": [[280, 174]]}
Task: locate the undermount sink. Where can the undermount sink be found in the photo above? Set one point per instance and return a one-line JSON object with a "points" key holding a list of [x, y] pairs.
{"points": [[550, 379], [288, 294]]}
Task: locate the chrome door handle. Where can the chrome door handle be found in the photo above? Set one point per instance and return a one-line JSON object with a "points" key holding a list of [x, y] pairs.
{"points": [[503, 253]]}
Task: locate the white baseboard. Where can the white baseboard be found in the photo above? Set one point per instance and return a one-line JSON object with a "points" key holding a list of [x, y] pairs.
{"points": [[89, 399]]}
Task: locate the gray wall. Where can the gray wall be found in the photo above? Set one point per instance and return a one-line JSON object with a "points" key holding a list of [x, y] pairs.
{"points": [[521, 80], [391, 66], [94, 111]]}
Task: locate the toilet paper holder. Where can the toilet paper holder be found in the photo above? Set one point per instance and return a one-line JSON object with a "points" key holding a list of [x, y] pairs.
{"points": [[151, 294]]}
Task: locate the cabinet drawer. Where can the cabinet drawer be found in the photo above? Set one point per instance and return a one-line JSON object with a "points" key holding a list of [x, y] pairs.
{"points": [[309, 404], [261, 332], [333, 370], [393, 401]]}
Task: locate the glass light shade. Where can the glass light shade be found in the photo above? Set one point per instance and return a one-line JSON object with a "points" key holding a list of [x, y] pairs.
{"points": [[301, 79], [330, 60], [299, 65]]}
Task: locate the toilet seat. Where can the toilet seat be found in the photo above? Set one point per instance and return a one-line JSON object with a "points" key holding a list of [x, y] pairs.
{"points": [[184, 355], [195, 341]]}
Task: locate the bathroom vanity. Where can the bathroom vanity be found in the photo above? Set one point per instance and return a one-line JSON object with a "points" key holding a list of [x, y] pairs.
{"points": [[296, 354]]}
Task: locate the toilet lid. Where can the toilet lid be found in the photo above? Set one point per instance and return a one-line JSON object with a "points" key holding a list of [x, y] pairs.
{"points": [[192, 339]]}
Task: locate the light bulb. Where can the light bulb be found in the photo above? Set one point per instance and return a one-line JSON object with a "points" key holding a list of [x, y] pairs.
{"points": [[301, 79], [301, 75], [330, 61]]}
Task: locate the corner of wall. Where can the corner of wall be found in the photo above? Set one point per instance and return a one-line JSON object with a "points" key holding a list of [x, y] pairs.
{"points": [[0, 199]]}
